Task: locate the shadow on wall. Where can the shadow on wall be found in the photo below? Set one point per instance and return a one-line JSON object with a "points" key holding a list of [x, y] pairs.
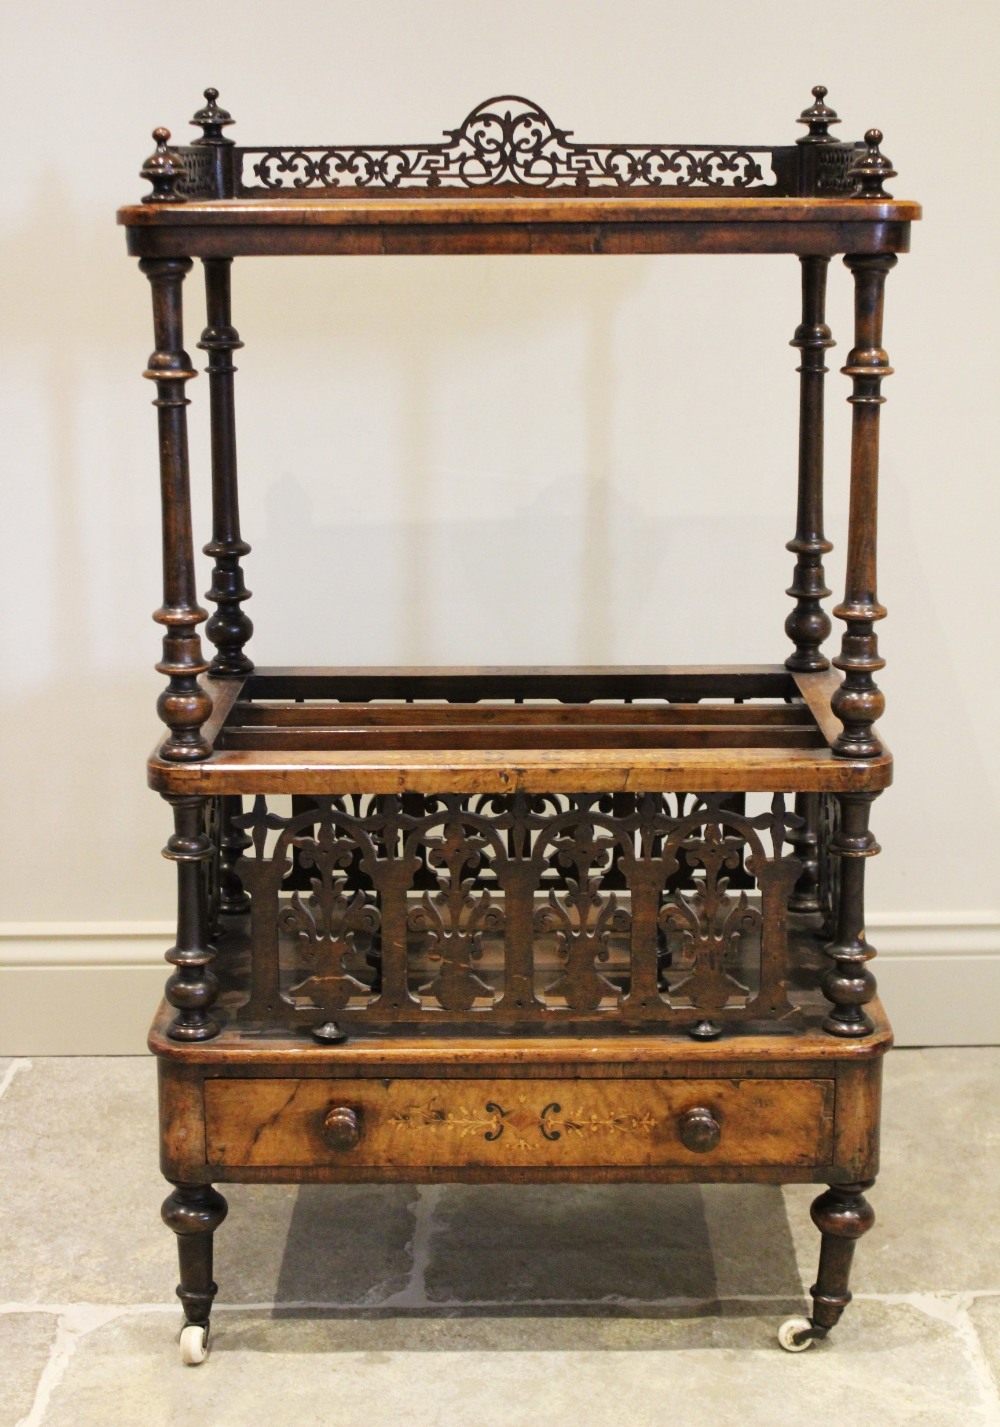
{"points": [[77, 718], [474, 488]]}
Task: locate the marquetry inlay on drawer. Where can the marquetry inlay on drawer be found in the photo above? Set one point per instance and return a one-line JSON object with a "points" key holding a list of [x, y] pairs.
{"points": [[456, 1123]]}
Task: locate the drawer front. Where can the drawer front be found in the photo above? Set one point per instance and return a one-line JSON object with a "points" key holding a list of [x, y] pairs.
{"points": [[513, 1123]]}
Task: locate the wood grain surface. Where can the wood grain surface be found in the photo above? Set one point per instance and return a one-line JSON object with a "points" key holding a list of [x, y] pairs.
{"points": [[513, 1122]]}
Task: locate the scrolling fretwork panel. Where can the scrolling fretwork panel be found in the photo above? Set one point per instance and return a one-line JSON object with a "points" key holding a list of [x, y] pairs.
{"points": [[506, 141], [503, 911]]}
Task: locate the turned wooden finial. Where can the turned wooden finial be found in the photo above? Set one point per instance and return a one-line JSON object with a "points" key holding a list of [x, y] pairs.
{"points": [[164, 169], [212, 120], [819, 116], [871, 168]]}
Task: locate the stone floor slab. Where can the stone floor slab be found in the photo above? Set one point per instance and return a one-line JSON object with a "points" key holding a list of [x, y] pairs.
{"points": [[80, 1171], [25, 1344], [936, 1229], [85, 1128], [902, 1365], [985, 1315]]}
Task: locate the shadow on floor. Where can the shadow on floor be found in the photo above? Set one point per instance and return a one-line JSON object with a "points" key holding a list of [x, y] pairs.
{"points": [[552, 1252]]}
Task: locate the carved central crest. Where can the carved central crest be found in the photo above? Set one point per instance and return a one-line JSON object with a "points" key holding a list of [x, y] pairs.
{"points": [[505, 142]]}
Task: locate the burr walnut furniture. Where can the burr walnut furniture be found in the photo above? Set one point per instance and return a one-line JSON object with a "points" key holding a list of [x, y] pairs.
{"points": [[519, 924]]}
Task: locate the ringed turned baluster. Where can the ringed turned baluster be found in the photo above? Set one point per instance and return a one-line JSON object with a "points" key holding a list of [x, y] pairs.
{"points": [[229, 627], [808, 624], [183, 705], [848, 983], [858, 701], [193, 987]]}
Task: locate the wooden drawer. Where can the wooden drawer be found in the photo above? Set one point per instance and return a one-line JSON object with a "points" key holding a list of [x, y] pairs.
{"points": [[512, 1123]]}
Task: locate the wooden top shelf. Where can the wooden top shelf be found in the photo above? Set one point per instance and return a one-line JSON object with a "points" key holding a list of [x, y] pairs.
{"points": [[382, 225], [509, 180]]}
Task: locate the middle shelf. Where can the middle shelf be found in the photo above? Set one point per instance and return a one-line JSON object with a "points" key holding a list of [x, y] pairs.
{"points": [[536, 730]]}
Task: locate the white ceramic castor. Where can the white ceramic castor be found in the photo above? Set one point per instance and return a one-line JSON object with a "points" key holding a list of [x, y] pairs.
{"points": [[788, 1335], [194, 1344]]}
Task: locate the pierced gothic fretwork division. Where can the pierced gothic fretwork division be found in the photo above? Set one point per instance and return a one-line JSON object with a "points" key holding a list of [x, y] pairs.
{"points": [[507, 140], [495, 910]]}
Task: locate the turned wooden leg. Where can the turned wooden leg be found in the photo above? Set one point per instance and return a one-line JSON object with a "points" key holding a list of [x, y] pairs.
{"points": [[841, 1214], [194, 1212]]}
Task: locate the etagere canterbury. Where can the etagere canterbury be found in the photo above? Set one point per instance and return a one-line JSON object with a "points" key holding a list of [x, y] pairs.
{"points": [[521, 924]]}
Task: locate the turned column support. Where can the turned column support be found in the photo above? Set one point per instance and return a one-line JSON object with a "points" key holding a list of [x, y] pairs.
{"points": [[848, 983], [842, 1214], [809, 624], [858, 701], [183, 705], [193, 987], [194, 1212], [229, 628]]}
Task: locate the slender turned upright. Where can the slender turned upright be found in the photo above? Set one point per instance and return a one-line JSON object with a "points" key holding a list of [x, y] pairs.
{"points": [[193, 987], [858, 702], [809, 624], [229, 627], [183, 705]]}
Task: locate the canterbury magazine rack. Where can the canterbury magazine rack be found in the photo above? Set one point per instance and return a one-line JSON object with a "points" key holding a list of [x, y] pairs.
{"points": [[519, 925]]}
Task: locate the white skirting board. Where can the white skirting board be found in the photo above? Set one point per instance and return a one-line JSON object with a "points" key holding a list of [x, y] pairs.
{"points": [[90, 988]]}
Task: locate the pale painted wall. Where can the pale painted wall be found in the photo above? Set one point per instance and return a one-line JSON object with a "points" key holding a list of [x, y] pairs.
{"points": [[488, 459]]}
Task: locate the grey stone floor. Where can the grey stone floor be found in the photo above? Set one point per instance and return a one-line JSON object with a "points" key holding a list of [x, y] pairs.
{"points": [[630, 1305]]}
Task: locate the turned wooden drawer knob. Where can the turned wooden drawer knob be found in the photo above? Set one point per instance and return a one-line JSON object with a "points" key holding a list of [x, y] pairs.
{"points": [[341, 1130], [699, 1130]]}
